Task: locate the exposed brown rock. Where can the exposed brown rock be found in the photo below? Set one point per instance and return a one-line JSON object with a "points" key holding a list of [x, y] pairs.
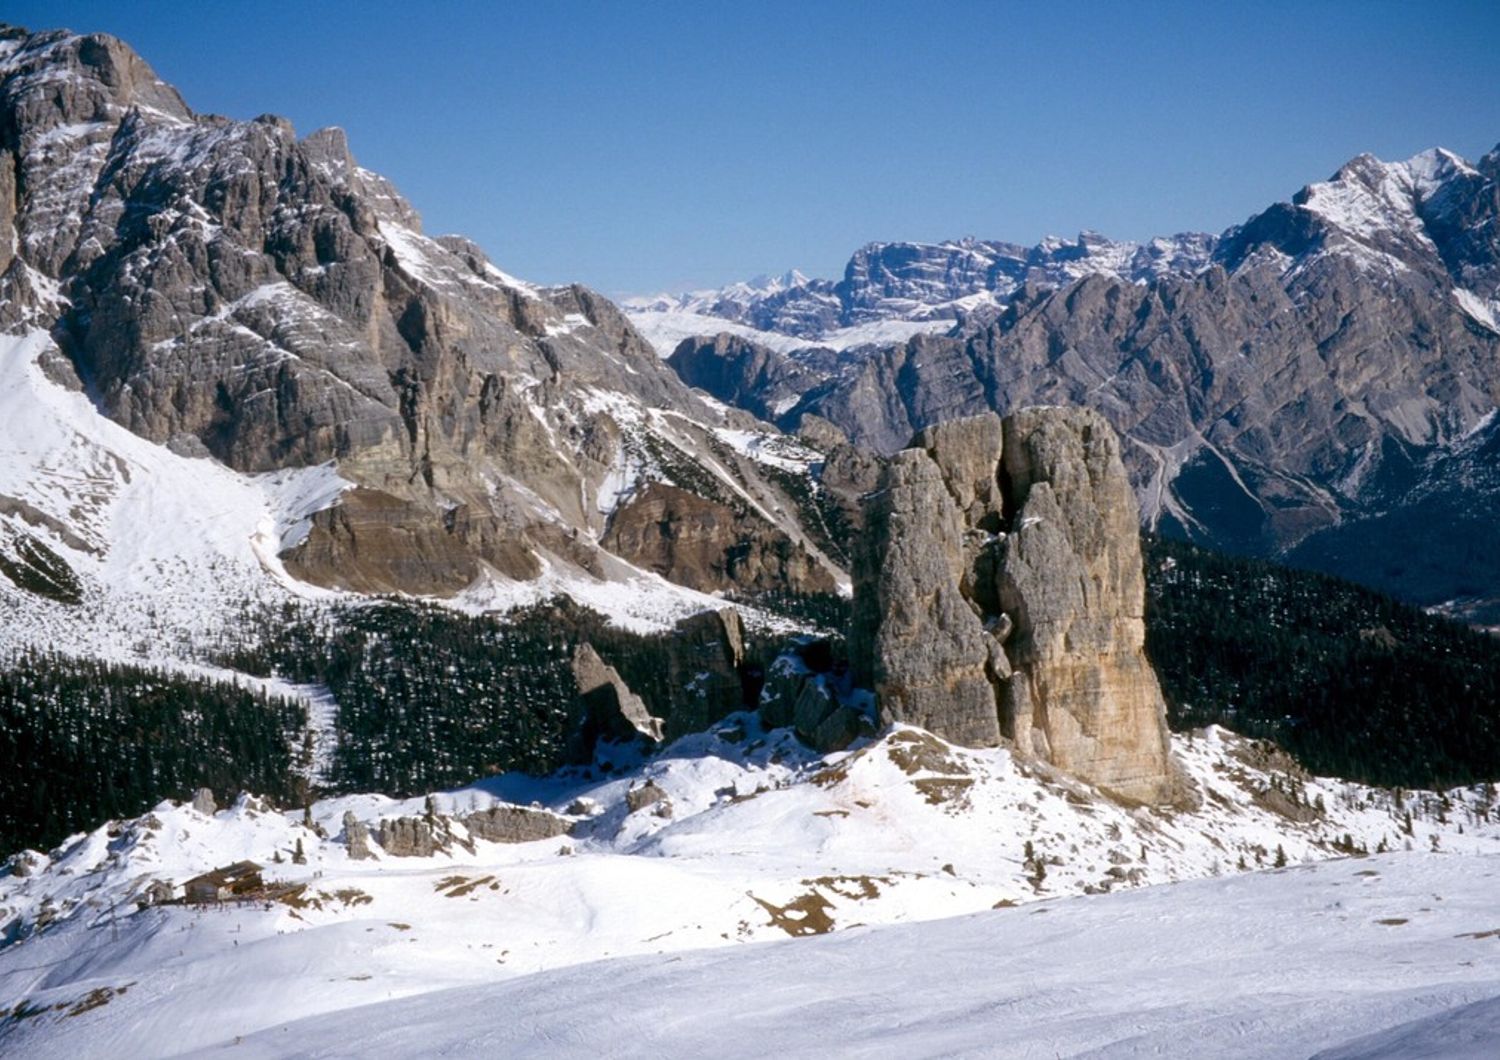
{"points": [[1072, 580], [515, 824], [409, 837], [1001, 592], [648, 794], [709, 545], [373, 542]]}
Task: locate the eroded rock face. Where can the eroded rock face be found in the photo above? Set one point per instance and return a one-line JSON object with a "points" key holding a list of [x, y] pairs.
{"points": [[916, 639], [239, 292], [709, 545], [409, 837], [609, 710], [515, 824], [356, 837], [705, 658], [1071, 580], [1000, 594], [375, 543]]}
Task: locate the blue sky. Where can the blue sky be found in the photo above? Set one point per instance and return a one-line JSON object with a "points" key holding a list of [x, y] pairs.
{"points": [[646, 146]]}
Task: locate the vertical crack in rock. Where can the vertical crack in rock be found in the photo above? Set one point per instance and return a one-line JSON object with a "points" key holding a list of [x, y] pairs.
{"points": [[999, 594]]}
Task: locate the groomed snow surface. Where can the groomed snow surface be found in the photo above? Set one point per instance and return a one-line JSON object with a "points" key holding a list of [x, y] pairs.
{"points": [[681, 933], [1287, 963]]}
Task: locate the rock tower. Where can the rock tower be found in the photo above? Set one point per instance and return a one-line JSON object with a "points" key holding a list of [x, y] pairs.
{"points": [[999, 595]]}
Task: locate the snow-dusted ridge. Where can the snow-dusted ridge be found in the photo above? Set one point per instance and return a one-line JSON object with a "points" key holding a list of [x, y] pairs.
{"points": [[167, 548], [1376, 214], [764, 840]]}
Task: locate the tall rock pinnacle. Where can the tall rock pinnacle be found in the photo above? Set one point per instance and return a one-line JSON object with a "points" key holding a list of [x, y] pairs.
{"points": [[1000, 595]]}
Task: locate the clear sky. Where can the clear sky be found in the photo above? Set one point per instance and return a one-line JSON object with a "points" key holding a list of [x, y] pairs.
{"points": [[654, 145]]}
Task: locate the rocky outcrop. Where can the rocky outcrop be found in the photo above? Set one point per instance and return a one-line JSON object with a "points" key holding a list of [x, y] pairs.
{"points": [[704, 662], [810, 691], [742, 373], [356, 837], [373, 542], [515, 824], [432, 833], [203, 802], [917, 639], [1083, 696], [607, 708], [650, 794], [1001, 594], [711, 545], [410, 837]]}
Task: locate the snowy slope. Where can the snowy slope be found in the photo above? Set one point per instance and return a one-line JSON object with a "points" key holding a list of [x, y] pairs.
{"points": [[168, 549], [764, 840], [165, 546], [665, 329], [1274, 964]]}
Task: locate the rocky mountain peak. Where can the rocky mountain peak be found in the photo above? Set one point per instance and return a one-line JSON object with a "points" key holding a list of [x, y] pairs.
{"points": [[234, 290], [60, 78]]}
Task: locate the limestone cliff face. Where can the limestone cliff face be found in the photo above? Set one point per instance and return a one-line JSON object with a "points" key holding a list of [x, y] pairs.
{"points": [[682, 536], [1000, 594], [1071, 581], [917, 641], [238, 291]]}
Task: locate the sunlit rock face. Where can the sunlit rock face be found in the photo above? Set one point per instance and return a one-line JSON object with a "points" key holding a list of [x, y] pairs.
{"points": [[1000, 595]]}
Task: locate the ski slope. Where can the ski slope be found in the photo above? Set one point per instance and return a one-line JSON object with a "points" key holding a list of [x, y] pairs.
{"points": [[1292, 962], [1071, 901]]}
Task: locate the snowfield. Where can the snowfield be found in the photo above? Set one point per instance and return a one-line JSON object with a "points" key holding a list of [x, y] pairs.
{"points": [[1283, 963], [666, 329], [694, 930]]}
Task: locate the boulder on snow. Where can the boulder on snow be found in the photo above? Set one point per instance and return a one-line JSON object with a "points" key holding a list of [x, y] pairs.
{"points": [[647, 794], [203, 802]]}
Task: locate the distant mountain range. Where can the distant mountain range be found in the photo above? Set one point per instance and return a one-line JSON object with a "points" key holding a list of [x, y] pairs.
{"points": [[1317, 383], [934, 284]]}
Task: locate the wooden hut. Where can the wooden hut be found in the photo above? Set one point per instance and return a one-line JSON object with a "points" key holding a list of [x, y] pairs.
{"points": [[232, 881]]}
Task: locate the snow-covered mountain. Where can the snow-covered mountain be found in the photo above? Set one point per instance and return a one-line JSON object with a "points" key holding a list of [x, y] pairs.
{"points": [[755, 839], [237, 292], [891, 291], [243, 394], [1385, 212], [1288, 387]]}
